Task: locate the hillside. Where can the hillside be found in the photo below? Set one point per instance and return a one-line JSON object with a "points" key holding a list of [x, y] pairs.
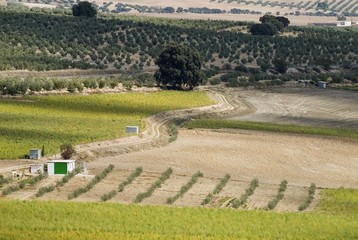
{"points": [[54, 40]]}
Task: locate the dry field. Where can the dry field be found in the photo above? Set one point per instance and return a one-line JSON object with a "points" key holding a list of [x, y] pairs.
{"points": [[245, 155]]}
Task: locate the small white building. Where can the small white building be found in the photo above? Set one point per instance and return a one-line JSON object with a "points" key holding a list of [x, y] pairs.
{"points": [[322, 84], [36, 168], [55, 167], [132, 129], [35, 153]]}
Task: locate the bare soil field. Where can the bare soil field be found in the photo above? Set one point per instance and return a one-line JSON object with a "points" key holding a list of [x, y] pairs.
{"points": [[294, 20], [270, 157], [302, 106]]}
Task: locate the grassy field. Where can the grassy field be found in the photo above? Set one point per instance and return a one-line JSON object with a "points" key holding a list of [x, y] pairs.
{"points": [[34, 121], [336, 218], [272, 127]]}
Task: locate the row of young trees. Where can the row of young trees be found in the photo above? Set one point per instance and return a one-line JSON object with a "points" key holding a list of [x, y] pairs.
{"points": [[51, 42]]}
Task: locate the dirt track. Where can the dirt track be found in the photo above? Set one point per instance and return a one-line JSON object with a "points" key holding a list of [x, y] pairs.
{"points": [[269, 157]]}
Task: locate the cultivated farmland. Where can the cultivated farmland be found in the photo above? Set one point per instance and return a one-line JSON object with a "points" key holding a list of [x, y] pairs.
{"points": [[34, 121]]}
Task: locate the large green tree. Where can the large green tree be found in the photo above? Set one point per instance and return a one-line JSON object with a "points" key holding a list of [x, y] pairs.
{"points": [[179, 67], [84, 9]]}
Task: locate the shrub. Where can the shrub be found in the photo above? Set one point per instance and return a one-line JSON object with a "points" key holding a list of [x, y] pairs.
{"points": [[249, 191], [309, 199], [99, 177], [123, 184], [273, 203], [67, 151], [216, 190], [194, 178], [157, 184]]}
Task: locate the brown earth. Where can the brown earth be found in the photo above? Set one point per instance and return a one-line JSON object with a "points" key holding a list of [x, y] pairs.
{"points": [[269, 157]]}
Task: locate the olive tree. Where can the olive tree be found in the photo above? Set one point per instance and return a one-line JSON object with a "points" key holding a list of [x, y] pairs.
{"points": [[179, 67]]}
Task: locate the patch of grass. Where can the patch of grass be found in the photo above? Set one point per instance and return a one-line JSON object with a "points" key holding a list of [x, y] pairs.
{"points": [[273, 127], [30, 121], [339, 202], [218, 188], [99, 177], [194, 178], [157, 184], [96, 221], [236, 203]]}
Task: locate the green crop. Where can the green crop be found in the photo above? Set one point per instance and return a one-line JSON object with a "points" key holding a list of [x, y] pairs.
{"points": [[34, 121]]}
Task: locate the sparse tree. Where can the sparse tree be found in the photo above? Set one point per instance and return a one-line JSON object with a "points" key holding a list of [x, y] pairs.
{"points": [[84, 9], [180, 67], [67, 151]]}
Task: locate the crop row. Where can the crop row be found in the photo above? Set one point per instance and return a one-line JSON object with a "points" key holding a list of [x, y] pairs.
{"points": [[157, 184], [22, 184], [13, 86], [273, 203], [217, 189], [249, 191], [59, 183], [125, 43], [99, 177], [309, 199], [123, 184], [194, 178]]}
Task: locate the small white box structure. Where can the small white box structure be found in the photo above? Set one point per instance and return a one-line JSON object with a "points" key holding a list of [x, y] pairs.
{"points": [[132, 129], [56, 167], [36, 168], [35, 153], [322, 84]]}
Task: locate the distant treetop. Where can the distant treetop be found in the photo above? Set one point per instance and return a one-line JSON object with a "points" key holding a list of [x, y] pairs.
{"points": [[84, 9]]}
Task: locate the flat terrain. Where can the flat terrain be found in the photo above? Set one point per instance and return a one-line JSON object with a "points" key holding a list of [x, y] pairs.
{"points": [[301, 106]]}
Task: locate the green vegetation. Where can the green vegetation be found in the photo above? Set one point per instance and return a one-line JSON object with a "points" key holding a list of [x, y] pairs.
{"points": [[157, 184], [309, 199], [43, 190], [4, 181], [22, 184], [46, 41], [185, 187], [179, 67], [32, 121], [249, 191], [335, 219], [99, 177], [281, 190], [273, 127], [123, 184], [217, 189]]}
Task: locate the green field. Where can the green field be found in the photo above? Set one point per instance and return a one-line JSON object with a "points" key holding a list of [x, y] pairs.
{"points": [[34, 121], [336, 218], [272, 127]]}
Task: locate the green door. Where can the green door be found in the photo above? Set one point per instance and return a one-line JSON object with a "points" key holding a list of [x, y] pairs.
{"points": [[61, 168]]}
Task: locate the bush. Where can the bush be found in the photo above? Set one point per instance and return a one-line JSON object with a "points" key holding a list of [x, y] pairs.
{"points": [[273, 203], [216, 190], [157, 184], [99, 177], [123, 184], [67, 151], [309, 199], [185, 187], [249, 191]]}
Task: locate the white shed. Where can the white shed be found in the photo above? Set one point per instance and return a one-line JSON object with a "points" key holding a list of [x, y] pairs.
{"points": [[36, 168], [55, 167], [35, 153], [322, 84]]}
